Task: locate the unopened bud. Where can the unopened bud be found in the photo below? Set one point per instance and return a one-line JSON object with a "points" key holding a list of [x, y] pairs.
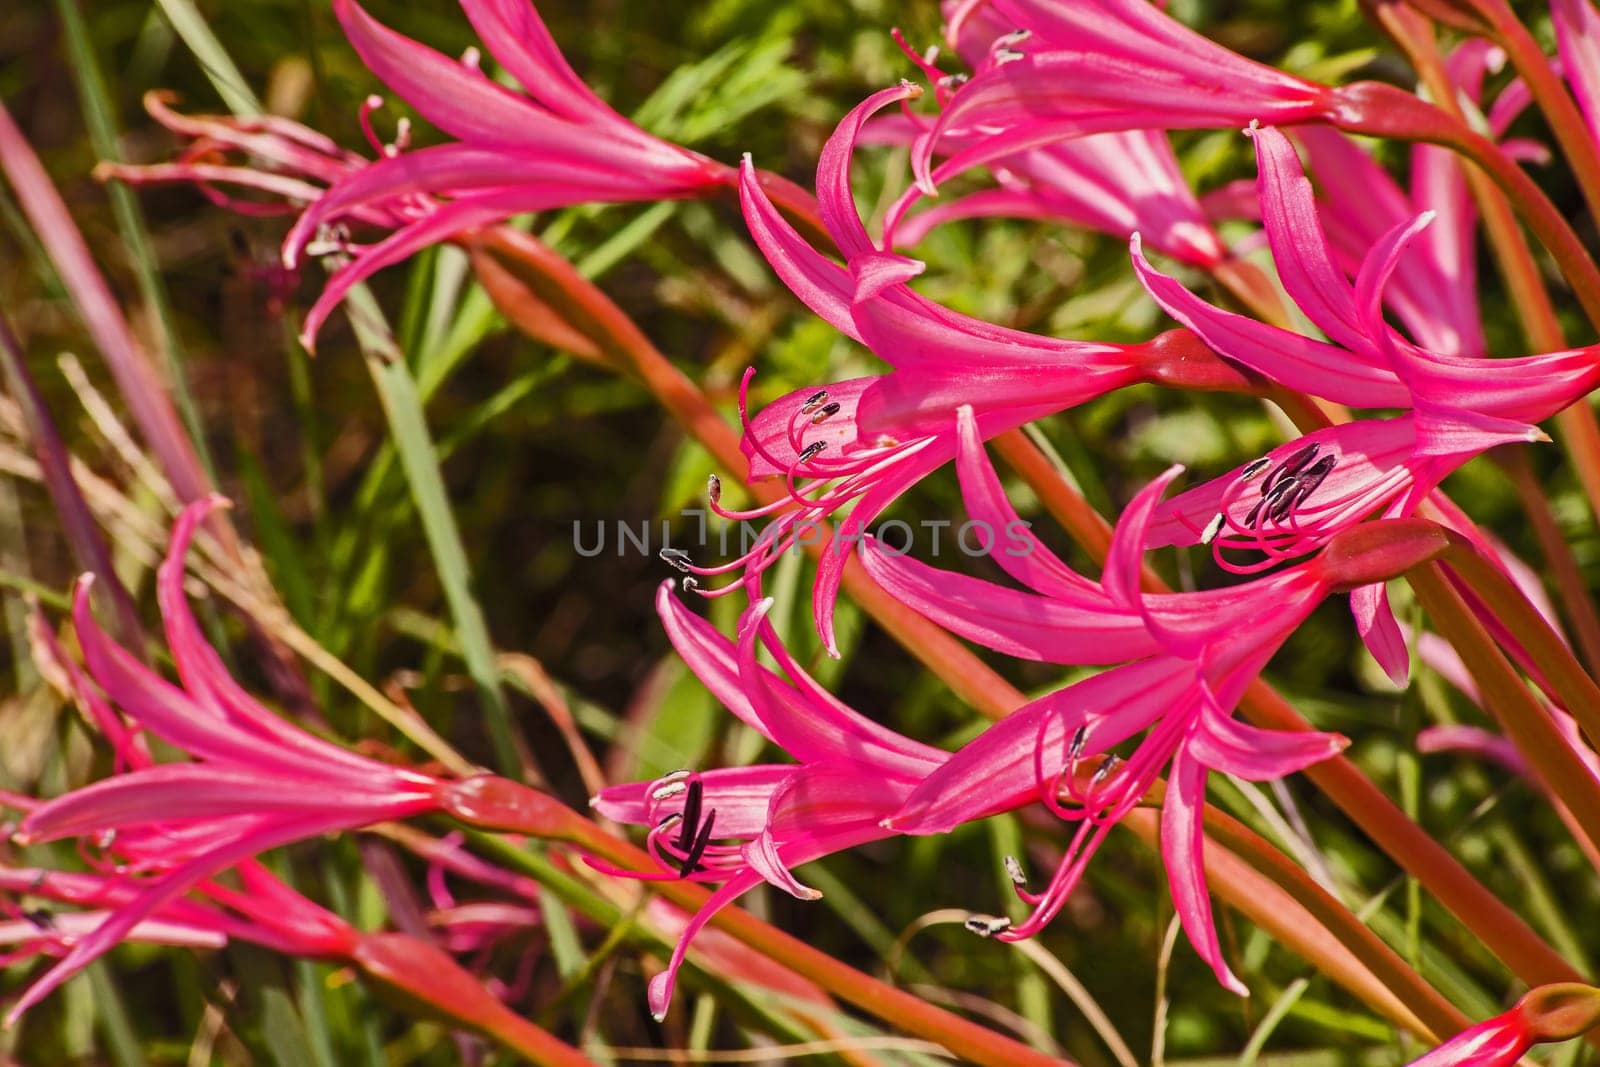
{"points": [[1560, 1011], [1377, 551]]}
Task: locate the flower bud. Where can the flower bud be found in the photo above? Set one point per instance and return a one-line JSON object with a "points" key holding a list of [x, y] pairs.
{"points": [[494, 803], [1560, 1011], [1378, 551]]}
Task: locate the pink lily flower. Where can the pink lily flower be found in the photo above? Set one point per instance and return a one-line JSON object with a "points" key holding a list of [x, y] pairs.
{"points": [[553, 145], [1078, 68], [765, 820], [1433, 290], [290, 164], [1117, 183], [260, 909], [258, 783], [1557, 1012], [1060, 749], [1063, 617], [869, 439], [1368, 363]]}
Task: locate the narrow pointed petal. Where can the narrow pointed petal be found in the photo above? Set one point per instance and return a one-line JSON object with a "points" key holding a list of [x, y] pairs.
{"points": [[1021, 554], [1048, 629], [1222, 743], [1125, 557], [1379, 631], [1291, 359], [821, 284], [459, 100], [1300, 248], [659, 993], [1182, 843], [1010, 762], [834, 200]]}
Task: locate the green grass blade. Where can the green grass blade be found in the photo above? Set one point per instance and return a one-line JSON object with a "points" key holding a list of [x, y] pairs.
{"points": [[419, 459]]}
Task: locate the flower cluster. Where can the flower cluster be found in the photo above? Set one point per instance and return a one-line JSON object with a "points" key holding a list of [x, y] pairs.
{"points": [[1068, 106]]}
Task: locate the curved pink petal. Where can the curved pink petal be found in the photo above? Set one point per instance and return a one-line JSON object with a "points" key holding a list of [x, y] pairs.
{"points": [[1010, 762], [459, 100], [1021, 555], [1288, 358], [190, 792], [810, 723], [1222, 743], [1016, 623], [1380, 632], [1182, 844], [206, 679]]}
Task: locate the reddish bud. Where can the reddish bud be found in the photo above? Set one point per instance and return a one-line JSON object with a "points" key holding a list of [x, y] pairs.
{"points": [[1560, 1011], [1181, 360], [1382, 110], [1378, 551], [494, 803]]}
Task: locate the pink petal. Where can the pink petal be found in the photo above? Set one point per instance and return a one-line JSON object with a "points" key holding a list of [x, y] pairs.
{"points": [[741, 796], [1023, 556], [1182, 844], [1222, 743], [1008, 764], [1380, 632], [1288, 358]]}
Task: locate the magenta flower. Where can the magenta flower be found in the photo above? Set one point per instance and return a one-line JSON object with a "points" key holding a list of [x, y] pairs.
{"points": [[1099, 66], [1368, 363], [291, 165], [259, 909], [553, 145], [1060, 749], [259, 783], [1117, 183], [1556, 1012], [1063, 617], [745, 825], [869, 439]]}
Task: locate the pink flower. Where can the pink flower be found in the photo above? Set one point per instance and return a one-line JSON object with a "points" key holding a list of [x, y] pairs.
{"points": [[291, 164], [168, 828], [745, 825], [1368, 363], [259, 909], [1295, 498], [1075, 68], [1060, 749], [1556, 1012], [554, 144], [1063, 617], [869, 439], [1118, 183]]}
